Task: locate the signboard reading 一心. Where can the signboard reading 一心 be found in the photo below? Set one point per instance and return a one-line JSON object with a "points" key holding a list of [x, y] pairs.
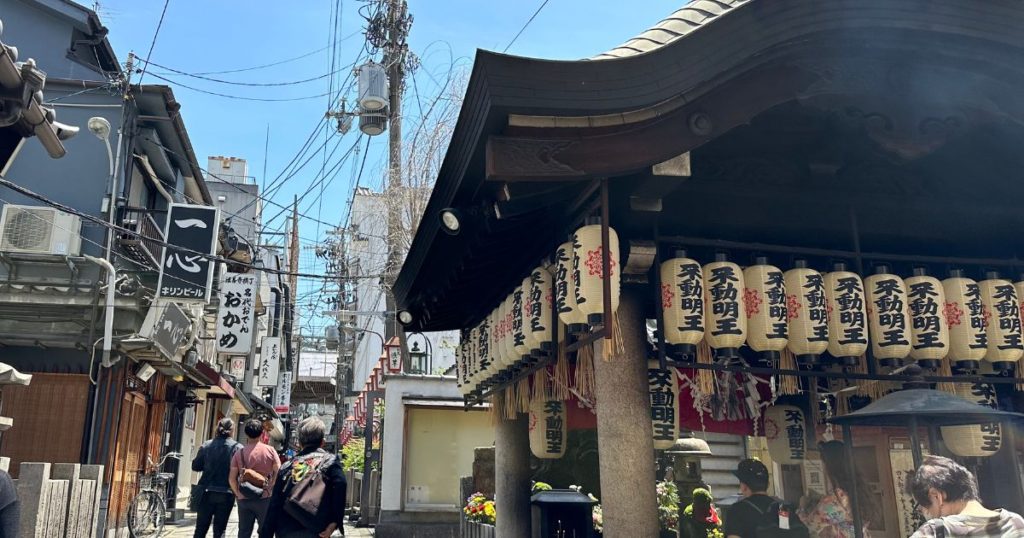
{"points": [[186, 268], [235, 313], [167, 326], [270, 361]]}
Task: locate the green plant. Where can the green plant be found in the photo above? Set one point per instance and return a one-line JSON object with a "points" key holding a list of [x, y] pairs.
{"points": [[480, 509], [540, 486], [353, 456], [701, 518], [668, 505]]}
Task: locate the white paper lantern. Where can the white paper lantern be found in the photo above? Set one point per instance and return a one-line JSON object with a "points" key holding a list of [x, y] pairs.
{"points": [[517, 330], [785, 429], [548, 429], [468, 346], [485, 353], [565, 290], [532, 343], [682, 303], [663, 391], [588, 270], [764, 300], [506, 351], [1002, 312], [460, 357], [965, 317], [540, 306], [888, 316], [847, 315], [929, 331], [976, 440], [723, 307], [807, 311]]}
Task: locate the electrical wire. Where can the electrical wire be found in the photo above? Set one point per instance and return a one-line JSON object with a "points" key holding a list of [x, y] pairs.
{"points": [[239, 97], [523, 29], [152, 44], [235, 83]]}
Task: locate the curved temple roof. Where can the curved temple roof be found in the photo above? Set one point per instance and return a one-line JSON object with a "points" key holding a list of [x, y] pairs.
{"points": [[687, 19]]}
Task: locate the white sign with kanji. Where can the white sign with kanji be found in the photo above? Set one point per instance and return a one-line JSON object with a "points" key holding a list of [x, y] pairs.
{"points": [[283, 394], [270, 361], [236, 313]]}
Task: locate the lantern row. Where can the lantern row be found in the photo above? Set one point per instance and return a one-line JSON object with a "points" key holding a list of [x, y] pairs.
{"points": [[810, 313], [520, 330]]}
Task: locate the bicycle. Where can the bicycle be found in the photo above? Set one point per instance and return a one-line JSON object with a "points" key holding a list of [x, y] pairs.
{"points": [[148, 508]]}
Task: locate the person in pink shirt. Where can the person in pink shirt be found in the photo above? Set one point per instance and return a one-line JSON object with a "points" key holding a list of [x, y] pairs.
{"points": [[256, 464]]}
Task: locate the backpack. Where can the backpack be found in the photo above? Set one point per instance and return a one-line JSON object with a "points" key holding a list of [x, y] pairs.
{"points": [[305, 489], [768, 523]]}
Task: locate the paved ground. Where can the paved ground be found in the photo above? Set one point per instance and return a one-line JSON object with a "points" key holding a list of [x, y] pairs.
{"points": [[186, 529]]}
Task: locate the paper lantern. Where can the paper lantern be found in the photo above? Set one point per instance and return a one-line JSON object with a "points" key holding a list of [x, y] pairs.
{"points": [[764, 302], [530, 339], [460, 359], [517, 329], [723, 307], [663, 392], [548, 429], [888, 316], [472, 357], [540, 308], [511, 356], [965, 316], [682, 303], [588, 270], [1002, 313], [485, 352], [929, 332], [847, 315], [785, 429], [975, 440], [806, 309], [565, 290], [506, 353]]}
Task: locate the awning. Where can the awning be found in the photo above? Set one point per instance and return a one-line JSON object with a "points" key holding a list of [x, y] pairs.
{"points": [[421, 402], [240, 404], [218, 385], [261, 404]]}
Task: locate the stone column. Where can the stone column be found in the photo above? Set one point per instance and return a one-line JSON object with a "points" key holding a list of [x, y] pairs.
{"points": [[512, 477], [624, 439]]}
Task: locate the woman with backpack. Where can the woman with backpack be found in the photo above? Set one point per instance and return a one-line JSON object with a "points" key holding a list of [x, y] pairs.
{"points": [[309, 495], [832, 515]]}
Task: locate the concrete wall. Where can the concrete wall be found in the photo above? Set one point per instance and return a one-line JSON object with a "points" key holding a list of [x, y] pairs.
{"points": [[246, 223]]}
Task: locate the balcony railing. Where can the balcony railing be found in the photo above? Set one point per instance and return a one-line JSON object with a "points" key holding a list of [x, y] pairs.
{"points": [[141, 221]]}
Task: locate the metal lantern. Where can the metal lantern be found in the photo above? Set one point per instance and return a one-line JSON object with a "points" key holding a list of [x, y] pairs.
{"points": [[764, 299], [888, 316], [723, 293], [682, 303], [965, 317], [929, 331], [663, 392], [785, 429], [541, 295], [976, 440], [806, 309], [847, 315], [517, 329], [588, 270], [565, 290], [1002, 312], [548, 429]]}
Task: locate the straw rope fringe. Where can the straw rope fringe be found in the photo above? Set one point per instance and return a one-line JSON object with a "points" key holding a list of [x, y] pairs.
{"points": [[495, 410], [946, 371], [705, 378], [523, 395], [788, 384], [560, 387], [584, 382], [613, 346], [509, 407], [1018, 374], [541, 387]]}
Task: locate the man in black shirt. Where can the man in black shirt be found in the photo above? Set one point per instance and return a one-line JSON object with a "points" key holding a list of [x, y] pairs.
{"points": [[742, 518]]}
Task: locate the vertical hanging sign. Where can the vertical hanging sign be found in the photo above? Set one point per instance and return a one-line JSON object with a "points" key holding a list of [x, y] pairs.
{"points": [[186, 268], [283, 394], [235, 313], [663, 392], [270, 361]]}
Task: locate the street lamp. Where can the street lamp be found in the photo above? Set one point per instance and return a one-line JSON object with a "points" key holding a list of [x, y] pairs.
{"points": [[417, 359]]}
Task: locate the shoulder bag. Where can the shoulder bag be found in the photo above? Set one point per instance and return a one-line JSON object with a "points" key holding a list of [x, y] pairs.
{"points": [[245, 480], [308, 488]]}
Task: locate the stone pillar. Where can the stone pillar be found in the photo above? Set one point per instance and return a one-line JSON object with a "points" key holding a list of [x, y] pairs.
{"points": [[512, 477], [624, 439]]}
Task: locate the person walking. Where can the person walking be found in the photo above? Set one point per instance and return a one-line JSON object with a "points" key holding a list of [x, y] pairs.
{"points": [[214, 461], [321, 510], [743, 517], [947, 495], [832, 515], [255, 464]]}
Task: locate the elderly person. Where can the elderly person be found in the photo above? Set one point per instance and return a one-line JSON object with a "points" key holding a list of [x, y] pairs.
{"points": [[281, 520], [947, 495], [214, 461]]}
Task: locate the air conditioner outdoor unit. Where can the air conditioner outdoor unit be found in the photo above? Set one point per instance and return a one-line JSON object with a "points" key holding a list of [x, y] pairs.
{"points": [[39, 230]]}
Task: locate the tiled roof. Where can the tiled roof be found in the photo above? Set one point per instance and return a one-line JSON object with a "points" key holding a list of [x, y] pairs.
{"points": [[689, 18]]}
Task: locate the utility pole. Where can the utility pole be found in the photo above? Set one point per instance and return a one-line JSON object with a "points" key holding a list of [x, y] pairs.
{"points": [[293, 250], [395, 53], [340, 265]]}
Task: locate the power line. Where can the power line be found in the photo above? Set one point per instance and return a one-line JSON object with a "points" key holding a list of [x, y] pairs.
{"points": [[160, 242], [239, 97], [153, 43], [235, 83], [264, 66], [523, 29]]}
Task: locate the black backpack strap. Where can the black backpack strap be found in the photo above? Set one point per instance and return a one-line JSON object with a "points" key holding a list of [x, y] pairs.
{"points": [[939, 530]]}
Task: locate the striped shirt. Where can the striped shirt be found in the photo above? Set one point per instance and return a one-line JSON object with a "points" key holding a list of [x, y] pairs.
{"points": [[1004, 524]]}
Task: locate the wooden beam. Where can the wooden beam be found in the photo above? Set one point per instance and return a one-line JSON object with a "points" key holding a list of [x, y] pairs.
{"points": [[638, 147]]}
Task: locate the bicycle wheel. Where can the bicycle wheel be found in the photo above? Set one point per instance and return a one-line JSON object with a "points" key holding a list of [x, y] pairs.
{"points": [[146, 515]]}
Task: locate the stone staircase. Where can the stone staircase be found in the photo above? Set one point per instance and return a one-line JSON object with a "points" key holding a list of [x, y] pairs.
{"points": [[727, 451]]}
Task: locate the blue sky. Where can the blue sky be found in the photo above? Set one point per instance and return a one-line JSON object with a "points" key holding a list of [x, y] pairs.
{"points": [[218, 35]]}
